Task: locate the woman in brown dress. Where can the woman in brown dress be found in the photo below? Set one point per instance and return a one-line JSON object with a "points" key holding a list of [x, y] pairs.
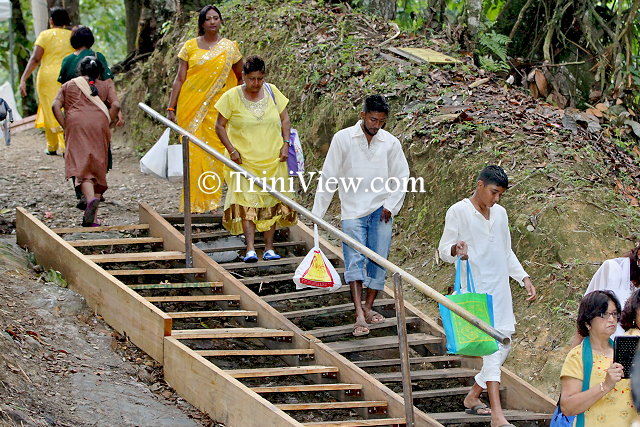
{"points": [[90, 107]]}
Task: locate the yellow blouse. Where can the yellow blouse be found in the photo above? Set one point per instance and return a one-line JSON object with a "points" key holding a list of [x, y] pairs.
{"points": [[616, 407]]}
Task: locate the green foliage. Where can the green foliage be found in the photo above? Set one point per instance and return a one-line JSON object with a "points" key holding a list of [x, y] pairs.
{"points": [[490, 46], [491, 65], [106, 20], [53, 276]]}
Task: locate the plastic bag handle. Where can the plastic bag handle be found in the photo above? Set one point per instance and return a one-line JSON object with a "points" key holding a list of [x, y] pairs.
{"points": [[471, 287], [316, 238]]}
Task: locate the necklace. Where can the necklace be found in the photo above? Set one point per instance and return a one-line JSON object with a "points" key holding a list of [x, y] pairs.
{"points": [[256, 108]]}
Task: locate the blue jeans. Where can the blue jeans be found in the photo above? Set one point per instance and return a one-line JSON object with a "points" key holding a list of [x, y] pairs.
{"points": [[375, 235]]}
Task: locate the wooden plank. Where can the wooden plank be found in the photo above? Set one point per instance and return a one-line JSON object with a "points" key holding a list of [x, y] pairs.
{"points": [[331, 309], [348, 329], [308, 388], [25, 123], [194, 298], [378, 343], [173, 285], [257, 246], [510, 415], [157, 271], [308, 293], [413, 361], [121, 307], [395, 422], [268, 279], [115, 242], [429, 374], [523, 395], [230, 333], [424, 55], [137, 257], [283, 371], [199, 314], [130, 227], [332, 405], [210, 235], [265, 352], [202, 218], [453, 391], [215, 392], [273, 263]]}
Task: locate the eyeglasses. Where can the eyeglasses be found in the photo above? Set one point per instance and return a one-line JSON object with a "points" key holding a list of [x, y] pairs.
{"points": [[613, 314]]}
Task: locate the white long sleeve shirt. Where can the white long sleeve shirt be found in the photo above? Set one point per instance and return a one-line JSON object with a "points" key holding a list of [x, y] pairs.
{"points": [[614, 275], [352, 160], [491, 258]]}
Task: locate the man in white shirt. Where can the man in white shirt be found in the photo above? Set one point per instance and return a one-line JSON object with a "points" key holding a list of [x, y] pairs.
{"points": [[371, 173], [477, 229]]}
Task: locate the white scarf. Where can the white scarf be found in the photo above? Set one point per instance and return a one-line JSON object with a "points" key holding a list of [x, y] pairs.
{"points": [[84, 87]]}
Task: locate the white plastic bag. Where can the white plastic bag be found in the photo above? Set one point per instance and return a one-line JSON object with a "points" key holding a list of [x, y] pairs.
{"points": [[315, 270], [155, 161], [174, 163]]}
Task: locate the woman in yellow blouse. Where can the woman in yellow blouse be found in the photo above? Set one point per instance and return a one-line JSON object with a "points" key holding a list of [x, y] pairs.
{"points": [[205, 68], [51, 47], [608, 400], [254, 127]]}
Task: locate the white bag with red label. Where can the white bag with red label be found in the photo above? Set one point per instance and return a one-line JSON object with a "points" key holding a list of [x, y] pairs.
{"points": [[315, 270]]}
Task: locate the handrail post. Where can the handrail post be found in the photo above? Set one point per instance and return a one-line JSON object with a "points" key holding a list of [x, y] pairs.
{"points": [[186, 182], [405, 366]]}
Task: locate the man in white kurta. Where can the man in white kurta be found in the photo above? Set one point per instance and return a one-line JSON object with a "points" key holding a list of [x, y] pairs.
{"points": [[371, 171], [477, 229]]}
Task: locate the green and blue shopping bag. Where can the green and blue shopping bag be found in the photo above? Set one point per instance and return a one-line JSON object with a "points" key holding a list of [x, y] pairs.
{"points": [[462, 337]]}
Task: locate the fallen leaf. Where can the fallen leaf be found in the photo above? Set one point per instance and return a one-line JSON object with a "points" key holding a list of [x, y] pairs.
{"points": [[541, 83], [635, 126], [479, 83]]}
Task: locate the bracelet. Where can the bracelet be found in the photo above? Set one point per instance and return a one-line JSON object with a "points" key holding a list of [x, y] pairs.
{"points": [[234, 151], [286, 140], [171, 109]]}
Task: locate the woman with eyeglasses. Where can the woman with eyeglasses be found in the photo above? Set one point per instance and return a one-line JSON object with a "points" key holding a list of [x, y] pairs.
{"points": [[607, 401]]}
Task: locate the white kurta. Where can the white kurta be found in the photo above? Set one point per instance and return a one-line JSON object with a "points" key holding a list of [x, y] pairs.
{"points": [[491, 258], [614, 275], [351, 157]]}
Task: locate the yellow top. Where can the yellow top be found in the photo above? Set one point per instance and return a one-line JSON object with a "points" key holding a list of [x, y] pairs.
{"points": [[209, 75], [616, 407], [255, 130]]}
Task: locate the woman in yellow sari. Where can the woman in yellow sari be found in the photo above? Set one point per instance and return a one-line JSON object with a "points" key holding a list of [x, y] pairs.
{"points": [[204, 74], [51, 47]]}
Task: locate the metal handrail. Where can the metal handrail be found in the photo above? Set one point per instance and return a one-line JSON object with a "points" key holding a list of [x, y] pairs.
{"points": [[381, 261]]}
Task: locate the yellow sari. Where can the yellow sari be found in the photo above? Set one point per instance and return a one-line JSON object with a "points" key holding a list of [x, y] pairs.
{"points": [[56, 45], [208, 77]]}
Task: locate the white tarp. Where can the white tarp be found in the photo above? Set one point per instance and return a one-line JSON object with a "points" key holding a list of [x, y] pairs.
{"points": [[6, 93], [40, 16], [5, 10]]}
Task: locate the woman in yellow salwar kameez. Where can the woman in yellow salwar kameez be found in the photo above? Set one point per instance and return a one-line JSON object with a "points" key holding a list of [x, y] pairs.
{"points": [[209, 65], [254, 127], [51, 47]]}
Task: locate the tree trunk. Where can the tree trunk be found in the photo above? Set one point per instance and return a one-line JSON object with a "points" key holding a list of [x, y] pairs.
{"points": [[132, 11], [152, 15], [383, 8], [21, 51], [72, 6], [474, 11]]}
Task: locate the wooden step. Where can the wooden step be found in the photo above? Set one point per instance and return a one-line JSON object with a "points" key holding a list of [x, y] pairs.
{"points": [[510, 415], [157, 271], [265, 352], [394, 422], [115, 242], [257, 246], [199, 314], [277, 278], [348, 329], [308, 293], [308, 388], [210, 235], [332, 405], [172, 285], [194, 298], [100, 229], [260, 263], [230, 333], [283, 371], [428, 374], [412, 361], [203, 218], [378, 343], [453, 391], [331, 309], [137, 257]]}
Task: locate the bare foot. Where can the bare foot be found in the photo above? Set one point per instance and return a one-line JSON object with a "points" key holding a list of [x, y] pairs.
{"points": [[498, 420]]}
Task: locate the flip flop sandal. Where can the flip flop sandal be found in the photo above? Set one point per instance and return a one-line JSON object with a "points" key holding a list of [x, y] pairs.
{"points": [[251, 256], [360, 324], [370, 317], [270, 255], [475, 409], [89, 216]]}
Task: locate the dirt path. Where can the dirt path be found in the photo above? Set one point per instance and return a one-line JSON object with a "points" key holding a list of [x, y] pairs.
{"points": [[59, 363]]}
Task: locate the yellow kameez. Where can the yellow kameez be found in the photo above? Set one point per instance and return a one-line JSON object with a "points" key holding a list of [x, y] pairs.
{"points": [[56, 45], [258, 141], [208, 77]]}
